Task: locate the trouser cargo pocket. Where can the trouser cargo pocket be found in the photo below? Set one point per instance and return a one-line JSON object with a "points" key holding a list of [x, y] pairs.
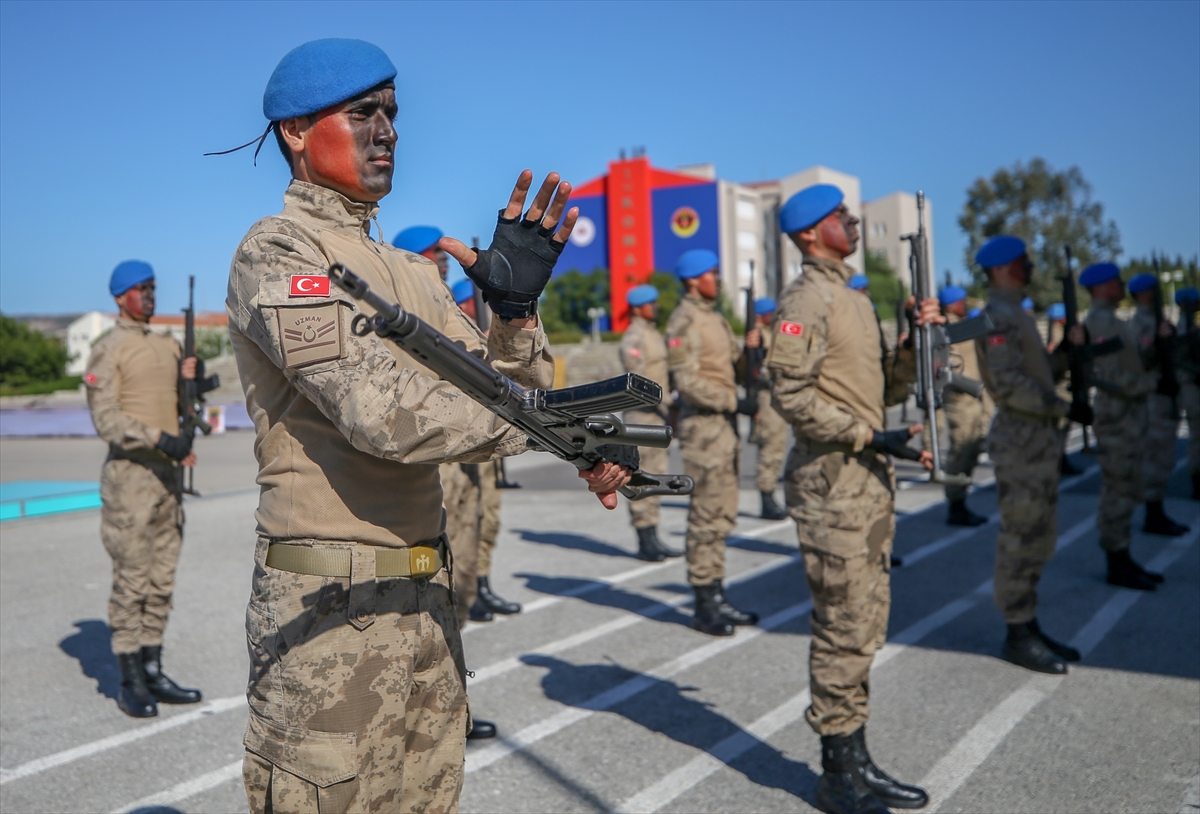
{"points": [[299, 770]]}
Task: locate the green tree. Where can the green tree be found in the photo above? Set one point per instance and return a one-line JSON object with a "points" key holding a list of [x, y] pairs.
{"points": [[1145, 265], [885, 287], [669, 294], [27, 356], [1047, 209], [567, 298], [210, 342]]}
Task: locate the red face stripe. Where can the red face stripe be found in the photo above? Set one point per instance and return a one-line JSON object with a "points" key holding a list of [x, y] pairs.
{"points": [[309, 285], [791, 328], [998, 339]]}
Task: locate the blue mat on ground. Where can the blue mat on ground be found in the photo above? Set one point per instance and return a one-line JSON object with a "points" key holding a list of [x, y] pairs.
{"points": [[33, 498]]}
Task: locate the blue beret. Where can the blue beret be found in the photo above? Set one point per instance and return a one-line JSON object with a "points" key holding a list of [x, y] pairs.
{"points": [[695, 262], [1188, 294], [641, 295], [952, 294], [1142, 282], [808, 207], [1057, 311], [858, 282], [463, 290], [1000, 250], [1027, 304], [321, 73], [764, 306], [974, 312], [128, 274], [417, 239], [1098, 273]]}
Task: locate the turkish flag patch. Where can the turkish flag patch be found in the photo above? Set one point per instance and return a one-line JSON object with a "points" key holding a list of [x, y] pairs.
{"points": [[635, 353], [791, 328], [309, 285], [996, 339], [675, 342], [89, 379]]}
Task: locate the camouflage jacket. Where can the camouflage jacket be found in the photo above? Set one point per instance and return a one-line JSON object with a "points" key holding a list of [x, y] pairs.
{"points": [[1016, 369], [701, 352]]}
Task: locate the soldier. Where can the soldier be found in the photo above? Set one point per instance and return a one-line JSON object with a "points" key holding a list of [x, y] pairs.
{"points": [[701, 352], [1025, 443], [423, 240], [1162, 415], [770, 430], [1188, 299], [967, 417], [488, 601], [357, 681], [832, 376], [1122, 385], [644, 351], [132, 384]]}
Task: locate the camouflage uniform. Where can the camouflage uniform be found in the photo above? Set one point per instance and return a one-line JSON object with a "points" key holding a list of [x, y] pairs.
{"points": [[701, 353], [644, 351], [1122, 385], [770, 432], [1189, 398], [1162, 417], [489, 527], [831, 379], [461, 503], [357, 683], [132, 390], [1025, 444]]}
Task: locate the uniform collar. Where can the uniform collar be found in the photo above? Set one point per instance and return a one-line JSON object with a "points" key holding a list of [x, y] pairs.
{"points": [[1105, 305], [642, 322], [702, 303], [1146, 310], [327, 207], [130, 325], [1012, 296], [834, 269]]}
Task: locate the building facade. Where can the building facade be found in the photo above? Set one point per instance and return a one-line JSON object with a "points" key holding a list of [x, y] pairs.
{"points": [[886, 220], [84, 331]]}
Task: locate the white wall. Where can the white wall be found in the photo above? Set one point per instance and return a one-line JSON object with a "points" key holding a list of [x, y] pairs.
{"points": [[80, 335]]}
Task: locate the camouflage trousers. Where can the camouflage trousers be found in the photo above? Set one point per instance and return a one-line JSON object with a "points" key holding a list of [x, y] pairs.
{"points": [[1120, 445], [460, 498], [644, 514], [709, 445], [1189, 399], [357, 694], [967, 420], [141, 526], [489, 525], [1162, 428], [770, 436], [844, 508], [1026, 453]]}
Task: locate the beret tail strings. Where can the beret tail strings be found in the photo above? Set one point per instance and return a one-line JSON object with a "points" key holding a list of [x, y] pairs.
{"points": [[259, 139]]}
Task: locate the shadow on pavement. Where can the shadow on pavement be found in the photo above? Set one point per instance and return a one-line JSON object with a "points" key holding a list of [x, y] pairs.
{"points": [[92, 648], [608, 597], [577, 542], [156, 810], [666, 708]]}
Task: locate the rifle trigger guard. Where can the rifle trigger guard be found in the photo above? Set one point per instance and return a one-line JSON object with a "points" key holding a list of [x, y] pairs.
{"points": [[361, 325]]}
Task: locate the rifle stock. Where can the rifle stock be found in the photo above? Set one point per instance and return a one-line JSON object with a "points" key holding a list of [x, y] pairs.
{"points": [[191, 391]]}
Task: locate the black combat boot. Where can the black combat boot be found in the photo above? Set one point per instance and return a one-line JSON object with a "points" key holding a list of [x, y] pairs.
{"points": [[1064, 652], [770, 509], [890, 791], [1065, 467], [843, 788], [1125, 573], [662, 547], [134, 699], [159, 684], [1157, 521], [481, 730], [494, 603], [479, 612], [649, 548], [708, 618], [733, 615], [960, 515], [1025, 648]]}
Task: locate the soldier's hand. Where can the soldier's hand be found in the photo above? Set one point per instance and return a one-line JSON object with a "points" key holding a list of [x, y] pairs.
{"points": [[930, 312], [895, 443], [190, 460], [187, 368], [512, 272], [754, 338], [175, 447], [1077, 336], [605, 478]]}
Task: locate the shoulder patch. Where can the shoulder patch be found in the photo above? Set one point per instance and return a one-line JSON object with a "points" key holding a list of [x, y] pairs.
{"points": [[789, 346], [674, 342], [90, 379], [310, 334], [309, 285], [996, 339], [635, 352], [791, 328]]}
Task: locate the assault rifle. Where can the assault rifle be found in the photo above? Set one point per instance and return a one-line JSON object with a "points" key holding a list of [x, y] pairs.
{"points": [[571, 423], [191, 391], [1080, 357], [1164, 349], [935, 374], [753, 356]]}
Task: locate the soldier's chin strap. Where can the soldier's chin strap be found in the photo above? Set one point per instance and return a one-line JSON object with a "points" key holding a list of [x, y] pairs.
{"points": [[260, 141]]}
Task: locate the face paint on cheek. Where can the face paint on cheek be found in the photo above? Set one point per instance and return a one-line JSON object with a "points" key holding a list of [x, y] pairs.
{"points": [[833, 235], [334, 152], [134, 304]]}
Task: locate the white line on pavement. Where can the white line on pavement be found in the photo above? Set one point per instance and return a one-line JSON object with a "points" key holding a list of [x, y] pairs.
{"points": [[41, 764], [186, 789]]}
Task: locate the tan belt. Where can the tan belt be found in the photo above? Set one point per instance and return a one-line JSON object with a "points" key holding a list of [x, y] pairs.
{"points": [[417, 561]]}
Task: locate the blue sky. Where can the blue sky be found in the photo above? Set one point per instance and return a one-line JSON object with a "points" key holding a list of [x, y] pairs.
{"points": [[106, 108]]}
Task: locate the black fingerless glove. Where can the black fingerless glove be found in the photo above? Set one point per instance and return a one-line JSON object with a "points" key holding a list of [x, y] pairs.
{"points": [[748, 407], [620, 454], [512, 272], [175, 447], [894, 443]]}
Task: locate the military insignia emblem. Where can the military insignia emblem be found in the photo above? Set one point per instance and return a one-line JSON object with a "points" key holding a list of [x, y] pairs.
{"points": [[309, 285], [685, 222], [675, 342], [89, 379], [309, 335], [635, 352], [791, 328], [996, 339]]}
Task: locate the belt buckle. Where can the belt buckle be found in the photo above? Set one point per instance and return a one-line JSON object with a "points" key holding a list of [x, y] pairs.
{"points": [[423, 561]]}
